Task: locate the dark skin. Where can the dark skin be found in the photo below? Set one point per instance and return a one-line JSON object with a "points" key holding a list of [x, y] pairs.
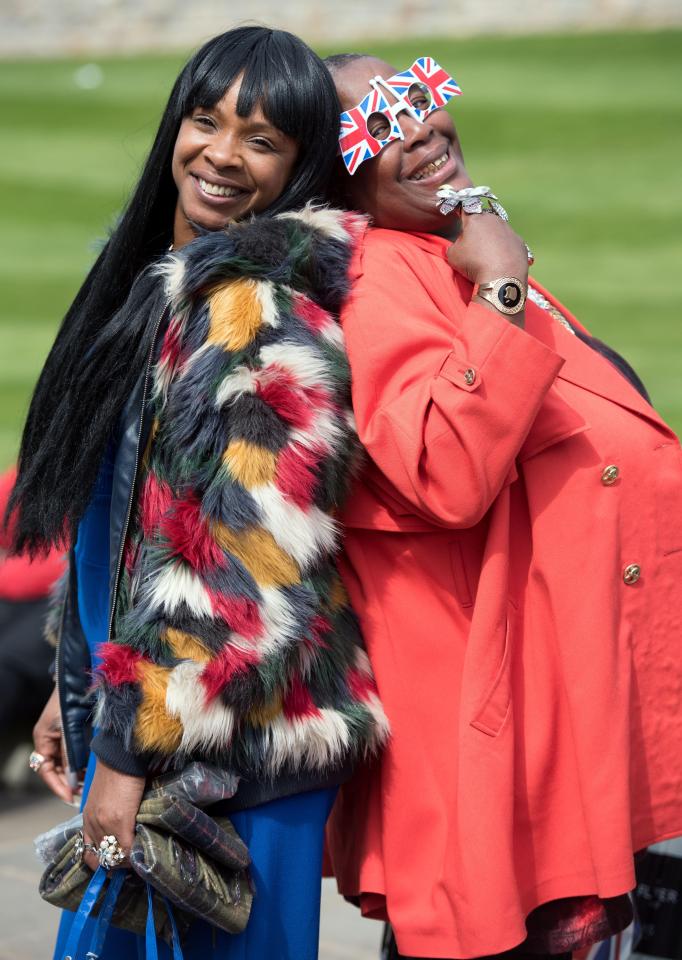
{"points": [[225, 168], [484, 247]]}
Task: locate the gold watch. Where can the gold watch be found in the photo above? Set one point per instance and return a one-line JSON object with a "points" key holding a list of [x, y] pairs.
{"points": [[507, 294]]}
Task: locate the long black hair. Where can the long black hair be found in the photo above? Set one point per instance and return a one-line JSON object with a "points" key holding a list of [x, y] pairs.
{"points": [[99, 353]]}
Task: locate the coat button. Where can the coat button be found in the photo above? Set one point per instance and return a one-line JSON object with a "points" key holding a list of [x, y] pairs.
{"points": [[610, 475], [469, 376], [632, 573]]}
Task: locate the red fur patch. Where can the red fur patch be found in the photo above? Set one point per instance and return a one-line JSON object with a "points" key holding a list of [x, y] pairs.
{"points": [[296, 474], [241, 616], [118, 664], [298, 702], [360, 685], [319, 626], [230, 663], [286, 397], [314, 317], [170, 348], [189, 535], [155, 500]]}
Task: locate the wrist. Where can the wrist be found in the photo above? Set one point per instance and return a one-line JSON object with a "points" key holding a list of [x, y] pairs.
{"points": [[507, 294], [512, 268]]}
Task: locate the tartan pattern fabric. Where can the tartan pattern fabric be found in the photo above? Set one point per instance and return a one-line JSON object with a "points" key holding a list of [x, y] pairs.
{"points": [[234, 641]]}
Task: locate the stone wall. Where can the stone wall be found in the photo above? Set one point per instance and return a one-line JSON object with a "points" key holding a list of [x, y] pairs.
{"points": [[82, 27]]}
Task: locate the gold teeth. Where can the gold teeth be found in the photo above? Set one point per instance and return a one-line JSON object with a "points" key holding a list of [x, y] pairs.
{"points": [[430, 168]]}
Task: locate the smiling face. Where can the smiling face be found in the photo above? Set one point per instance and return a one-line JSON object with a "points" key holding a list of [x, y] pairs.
{"points": [[226, 166], [398, 186]]}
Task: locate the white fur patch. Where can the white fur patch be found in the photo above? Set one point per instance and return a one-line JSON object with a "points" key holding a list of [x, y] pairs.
{"points": [[332, 332], [172, 269], [204, 726], [382, 728], [242, 380], [328, 221], [179, 584], [314, 742], [305, 364], [324, 431], [280, 626], [303, 534], [265, 294]]}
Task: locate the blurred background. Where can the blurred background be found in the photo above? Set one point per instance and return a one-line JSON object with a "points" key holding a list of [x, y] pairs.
{"points": [[572, 112]]}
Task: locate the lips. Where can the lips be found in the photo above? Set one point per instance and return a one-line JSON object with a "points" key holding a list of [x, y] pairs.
{"points": [[213, 191], [429, 168]]}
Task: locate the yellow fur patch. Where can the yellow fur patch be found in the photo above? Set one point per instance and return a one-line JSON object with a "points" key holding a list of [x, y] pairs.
{"points": [[249, 464], [337, 595], [235, 315], [185, 646], [268, 564], [154, 729], [264, 715]]}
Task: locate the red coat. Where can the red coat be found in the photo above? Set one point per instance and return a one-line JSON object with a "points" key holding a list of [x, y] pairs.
{"points": [[23, 579], [534, 694]]}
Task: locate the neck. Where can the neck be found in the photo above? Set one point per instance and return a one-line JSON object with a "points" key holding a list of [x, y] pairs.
{"points": [[183, 231]]}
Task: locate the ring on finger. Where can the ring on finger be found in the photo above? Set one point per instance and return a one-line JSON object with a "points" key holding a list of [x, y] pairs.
{"points": [[82, 846], [36, 760], [110, 852]]}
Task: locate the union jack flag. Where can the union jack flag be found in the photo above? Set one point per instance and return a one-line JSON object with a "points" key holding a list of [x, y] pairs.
{"points": [[425, 70], [356, 143]]}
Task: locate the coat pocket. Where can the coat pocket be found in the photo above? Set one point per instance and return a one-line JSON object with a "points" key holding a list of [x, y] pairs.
{"points": [[668, 463], [493, 708]]}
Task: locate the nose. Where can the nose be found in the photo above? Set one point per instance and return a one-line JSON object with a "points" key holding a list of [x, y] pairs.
{"points": [[223, 151], [414, 131]]}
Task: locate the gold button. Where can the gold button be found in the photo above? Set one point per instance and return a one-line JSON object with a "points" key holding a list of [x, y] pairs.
{"points": [[469, 376], [632, 573], [610, 475]]}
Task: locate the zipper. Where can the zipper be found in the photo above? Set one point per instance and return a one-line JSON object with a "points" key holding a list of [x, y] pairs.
{"points": [[124, 534]]}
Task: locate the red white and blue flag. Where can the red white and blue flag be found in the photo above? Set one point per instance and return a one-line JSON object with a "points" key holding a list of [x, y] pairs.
{"points": [[356, 143], [426, 71]]}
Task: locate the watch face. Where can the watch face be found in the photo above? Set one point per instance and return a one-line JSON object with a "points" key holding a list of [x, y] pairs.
{"points": [[509, 294]]}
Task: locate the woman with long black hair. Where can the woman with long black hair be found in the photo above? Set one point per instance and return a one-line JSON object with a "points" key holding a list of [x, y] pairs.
{"points": [[190, 440]]}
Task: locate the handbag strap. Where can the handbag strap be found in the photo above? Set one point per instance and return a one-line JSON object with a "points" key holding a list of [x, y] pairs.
{"points": [[87, 904], [90, 898], [105, 914], [150, 936]]}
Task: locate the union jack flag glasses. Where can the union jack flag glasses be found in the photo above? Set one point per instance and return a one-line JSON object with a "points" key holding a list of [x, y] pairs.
{"points": [[423, 88]]}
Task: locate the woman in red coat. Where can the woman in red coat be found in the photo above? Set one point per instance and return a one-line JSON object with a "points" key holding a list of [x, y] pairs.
{"points": [[514, 552]]}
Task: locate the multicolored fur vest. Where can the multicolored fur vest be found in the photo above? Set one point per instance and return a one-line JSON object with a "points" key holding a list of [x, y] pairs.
{"points": [[234, 641]]}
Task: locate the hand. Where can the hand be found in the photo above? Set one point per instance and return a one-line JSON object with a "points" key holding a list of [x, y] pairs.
{"points": [[488, 248], [47, 740], [113, 801]]}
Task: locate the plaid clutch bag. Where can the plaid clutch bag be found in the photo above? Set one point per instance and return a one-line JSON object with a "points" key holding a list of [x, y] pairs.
{"points": [[197, 862]]}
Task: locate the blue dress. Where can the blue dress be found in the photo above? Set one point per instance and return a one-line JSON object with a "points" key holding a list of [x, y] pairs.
{"points": [[284, 837]]}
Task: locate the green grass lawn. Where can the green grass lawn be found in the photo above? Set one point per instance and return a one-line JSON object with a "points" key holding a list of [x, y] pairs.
{"points": [[580, 136]]}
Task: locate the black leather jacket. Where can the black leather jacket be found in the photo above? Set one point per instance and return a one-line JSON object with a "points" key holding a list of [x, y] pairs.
{"points": [[72, 664]]}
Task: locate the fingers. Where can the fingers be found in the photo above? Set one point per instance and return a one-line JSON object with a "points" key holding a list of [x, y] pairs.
{"points": [[52, 771], [94, 835], [54, 778]]}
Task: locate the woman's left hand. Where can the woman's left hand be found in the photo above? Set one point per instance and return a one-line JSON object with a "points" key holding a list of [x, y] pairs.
{"points": [[113, 801]]}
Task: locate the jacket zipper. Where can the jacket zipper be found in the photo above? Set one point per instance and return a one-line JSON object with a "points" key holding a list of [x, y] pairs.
{"points": [[124, 534]]}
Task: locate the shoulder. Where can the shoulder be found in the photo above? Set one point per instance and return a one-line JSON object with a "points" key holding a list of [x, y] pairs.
{"points": [[306, 250], [390, 252]]}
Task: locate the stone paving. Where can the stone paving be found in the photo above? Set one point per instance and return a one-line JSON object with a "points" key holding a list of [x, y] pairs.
{"points": [[27, 924]]}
